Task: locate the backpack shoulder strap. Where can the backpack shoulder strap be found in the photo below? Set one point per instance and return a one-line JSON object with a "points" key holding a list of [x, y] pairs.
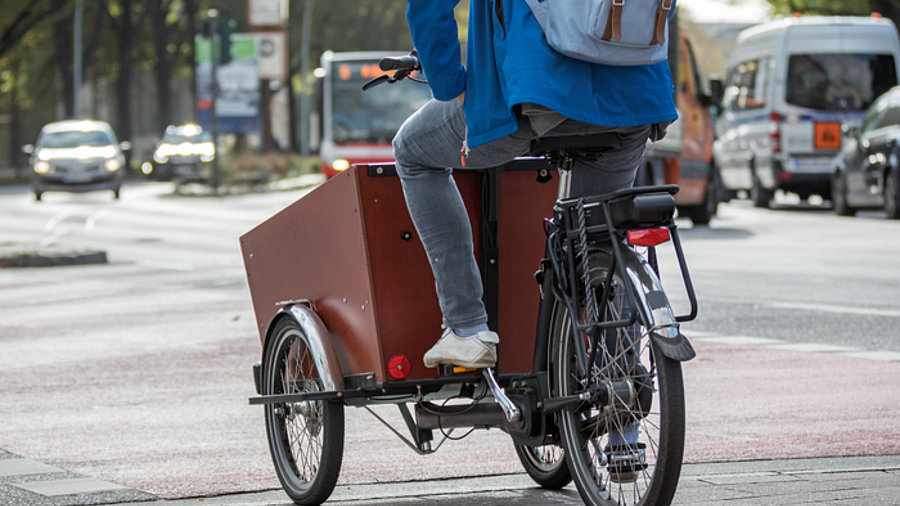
{"points": [[662, 17], [614, 21]]}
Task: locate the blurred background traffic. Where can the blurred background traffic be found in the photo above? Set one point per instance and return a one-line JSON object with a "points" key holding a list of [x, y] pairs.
{"points": [[773, 95]]}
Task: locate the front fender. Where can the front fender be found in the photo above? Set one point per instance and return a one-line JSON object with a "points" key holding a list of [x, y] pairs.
{"points": [[318, 339]]}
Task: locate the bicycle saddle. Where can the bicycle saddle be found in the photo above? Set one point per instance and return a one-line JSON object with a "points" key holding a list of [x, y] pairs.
{"points": [[575, 146]]}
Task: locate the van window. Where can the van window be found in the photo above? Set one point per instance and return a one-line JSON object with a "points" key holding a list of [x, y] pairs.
{"points": [[838, 81], [747, 86]]}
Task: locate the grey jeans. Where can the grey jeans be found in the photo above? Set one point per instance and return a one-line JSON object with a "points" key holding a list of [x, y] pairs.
{"points": [[428, 147]]}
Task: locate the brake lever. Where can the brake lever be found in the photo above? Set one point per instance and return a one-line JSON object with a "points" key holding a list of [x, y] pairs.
{"points": [[375, 82]]}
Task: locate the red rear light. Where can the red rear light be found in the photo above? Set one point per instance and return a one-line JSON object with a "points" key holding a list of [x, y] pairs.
{"points": [[648, 236], [399, 367], [775, 131]]}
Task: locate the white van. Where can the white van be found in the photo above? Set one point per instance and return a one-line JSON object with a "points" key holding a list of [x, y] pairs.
{"points": [[791, 86]]}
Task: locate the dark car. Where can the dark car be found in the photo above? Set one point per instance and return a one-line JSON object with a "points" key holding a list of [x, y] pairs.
{"points": [[76, 156], [183, 154], [867, 170]]}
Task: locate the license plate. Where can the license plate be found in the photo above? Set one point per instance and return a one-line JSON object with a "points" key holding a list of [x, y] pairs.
{"points": [[811, 163], [77, 178]]}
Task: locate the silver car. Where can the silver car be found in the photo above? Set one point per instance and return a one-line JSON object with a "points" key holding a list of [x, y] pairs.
{"points": [[77, 156]]}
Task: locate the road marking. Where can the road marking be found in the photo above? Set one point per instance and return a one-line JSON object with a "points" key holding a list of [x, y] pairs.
{"points": [[780, 344], [56, 220], [69, 486], [813, 347], [829, 308], [741, 340], [168, 266], [91, 221], [884, 356]]}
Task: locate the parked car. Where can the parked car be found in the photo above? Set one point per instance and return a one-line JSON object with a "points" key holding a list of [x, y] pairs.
{"points": [[866, 173], [76, 156], [792, 85], [685, 156], [184, 153]]}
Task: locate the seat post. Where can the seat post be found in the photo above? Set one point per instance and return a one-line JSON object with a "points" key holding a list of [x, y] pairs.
{"points": [[564, 167]]}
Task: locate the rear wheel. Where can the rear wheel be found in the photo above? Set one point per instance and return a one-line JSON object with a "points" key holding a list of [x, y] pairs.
{"points": [[306, 438], [702, 214], [627, 450], [892, 195], [545, 464], [760, 195]]}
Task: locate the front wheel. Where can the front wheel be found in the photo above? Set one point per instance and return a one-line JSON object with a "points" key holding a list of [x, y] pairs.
{"points": [[306, 438], [627, 449]]}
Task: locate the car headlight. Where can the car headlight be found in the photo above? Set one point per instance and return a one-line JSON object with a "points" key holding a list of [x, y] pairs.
{"points": [[340, 164], [112, 164], [160, 158], [42, 167], [147, 168]]}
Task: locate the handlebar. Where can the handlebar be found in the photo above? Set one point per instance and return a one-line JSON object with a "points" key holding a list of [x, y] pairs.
{"points": [[407, 62], [403, 65]]}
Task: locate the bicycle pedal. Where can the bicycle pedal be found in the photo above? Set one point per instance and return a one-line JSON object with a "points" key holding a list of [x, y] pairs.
{"points": [[454, 370]]}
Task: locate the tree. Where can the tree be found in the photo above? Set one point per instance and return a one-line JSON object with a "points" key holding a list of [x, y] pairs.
{"points": [[14, 26], [888, 8]]}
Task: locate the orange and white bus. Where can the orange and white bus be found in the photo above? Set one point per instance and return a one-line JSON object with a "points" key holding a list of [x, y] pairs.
{"points": [[357, 126]]}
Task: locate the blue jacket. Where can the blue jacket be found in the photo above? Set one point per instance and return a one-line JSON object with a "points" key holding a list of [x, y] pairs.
{"points": [[513, 65]]}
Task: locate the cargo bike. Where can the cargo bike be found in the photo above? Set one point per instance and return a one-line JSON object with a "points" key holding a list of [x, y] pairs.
{"points": [[588, 383]]}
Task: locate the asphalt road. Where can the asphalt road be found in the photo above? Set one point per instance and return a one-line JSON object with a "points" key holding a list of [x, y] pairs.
{"points": [[136, 373]]}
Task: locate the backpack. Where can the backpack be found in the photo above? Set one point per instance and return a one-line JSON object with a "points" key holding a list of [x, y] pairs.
{"points": [[612, 32]]}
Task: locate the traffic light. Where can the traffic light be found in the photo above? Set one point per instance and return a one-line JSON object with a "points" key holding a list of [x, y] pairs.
{"points": [[226, 27]]}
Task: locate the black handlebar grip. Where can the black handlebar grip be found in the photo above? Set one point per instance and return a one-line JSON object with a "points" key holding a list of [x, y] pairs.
{"points": [[407, 62]]}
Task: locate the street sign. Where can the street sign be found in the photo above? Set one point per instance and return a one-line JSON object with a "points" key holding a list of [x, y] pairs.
{"points": [[271, 55], [237, 102], [267, 13]]}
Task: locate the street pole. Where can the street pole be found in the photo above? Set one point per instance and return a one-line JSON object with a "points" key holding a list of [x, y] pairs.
{"points": [[213, 15], [304, 75], [76, 59]]}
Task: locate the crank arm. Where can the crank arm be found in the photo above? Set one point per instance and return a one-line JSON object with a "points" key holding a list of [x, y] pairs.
{"points": [[512, 413]]}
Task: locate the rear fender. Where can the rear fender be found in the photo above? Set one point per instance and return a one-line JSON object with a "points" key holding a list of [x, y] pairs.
{"points": [[655, 310], [318, 338]]}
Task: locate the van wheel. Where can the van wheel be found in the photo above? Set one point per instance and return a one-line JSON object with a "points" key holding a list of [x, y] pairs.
{"points": [[892, 195], [839, 195], [760, 196], [703, 213]]}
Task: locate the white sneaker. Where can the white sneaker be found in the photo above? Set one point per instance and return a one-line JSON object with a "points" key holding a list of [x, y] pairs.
{"points": [[473, 352]]}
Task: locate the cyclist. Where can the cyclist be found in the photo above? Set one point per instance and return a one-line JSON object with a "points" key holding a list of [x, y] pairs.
{"points": [[512, 90]]}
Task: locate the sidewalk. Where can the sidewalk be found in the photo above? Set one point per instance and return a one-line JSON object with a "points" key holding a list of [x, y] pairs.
{"points": [[850, 480]]}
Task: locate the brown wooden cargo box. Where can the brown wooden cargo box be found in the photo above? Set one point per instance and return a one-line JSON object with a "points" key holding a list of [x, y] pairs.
{"points": [[350, 247]]}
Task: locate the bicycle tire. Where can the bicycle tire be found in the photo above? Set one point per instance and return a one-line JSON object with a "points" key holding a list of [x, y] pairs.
{"points": [[660, 419], [546, 465], [306, 438]]}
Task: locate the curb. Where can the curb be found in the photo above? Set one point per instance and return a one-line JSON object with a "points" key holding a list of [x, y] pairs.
{"points": [[53, 259]]}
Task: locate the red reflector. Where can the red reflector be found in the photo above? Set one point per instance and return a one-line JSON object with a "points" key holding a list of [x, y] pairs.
{"points": [[399, 367], [648, 236]]}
